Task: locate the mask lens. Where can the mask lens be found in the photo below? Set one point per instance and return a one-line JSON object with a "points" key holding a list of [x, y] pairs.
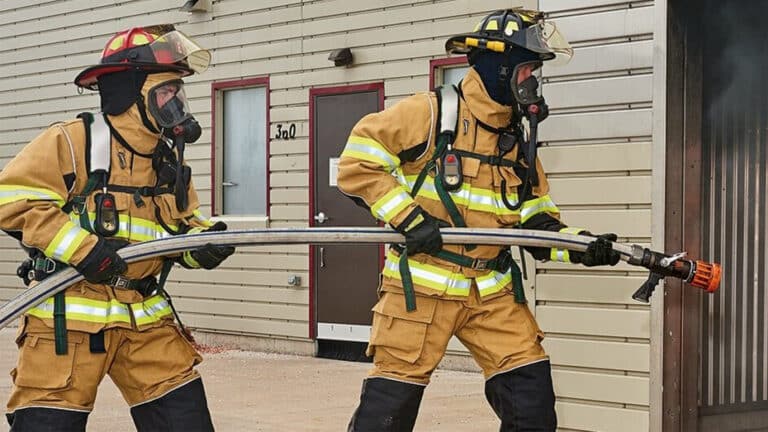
{"points": [[168, 104], [525, 83]]}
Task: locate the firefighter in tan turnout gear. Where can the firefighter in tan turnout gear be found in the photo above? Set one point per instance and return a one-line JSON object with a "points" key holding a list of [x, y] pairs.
{"points": [[73, 196], [462, 158]]}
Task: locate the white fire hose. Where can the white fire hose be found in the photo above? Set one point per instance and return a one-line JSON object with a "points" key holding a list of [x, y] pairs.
{"points": [[697, 273]]}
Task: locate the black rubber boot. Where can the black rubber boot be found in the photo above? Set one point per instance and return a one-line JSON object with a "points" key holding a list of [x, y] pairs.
{"points": [[386, 406], [182, 410], [524, 399], [47, 420]]}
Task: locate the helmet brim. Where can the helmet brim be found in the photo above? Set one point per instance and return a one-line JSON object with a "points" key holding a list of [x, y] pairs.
{"points": [[88, 78]]}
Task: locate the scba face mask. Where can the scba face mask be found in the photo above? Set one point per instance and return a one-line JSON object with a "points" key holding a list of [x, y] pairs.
{"points": [[168, 105], [525, 83]]}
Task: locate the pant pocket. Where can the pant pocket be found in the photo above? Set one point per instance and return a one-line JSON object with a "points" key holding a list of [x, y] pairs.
{"points": [[398, 332], [40, 367]]}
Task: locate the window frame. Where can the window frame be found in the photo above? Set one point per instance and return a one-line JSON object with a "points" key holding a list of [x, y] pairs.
{"points": [[437, 65], [217, 116]]}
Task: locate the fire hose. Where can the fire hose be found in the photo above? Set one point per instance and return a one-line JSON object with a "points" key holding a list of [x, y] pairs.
{"points": [[697, 273]]}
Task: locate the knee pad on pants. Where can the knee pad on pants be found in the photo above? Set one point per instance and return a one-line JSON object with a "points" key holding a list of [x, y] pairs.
{"points": [[386, 406], [524, 398], [184, 409], [47, 420]]}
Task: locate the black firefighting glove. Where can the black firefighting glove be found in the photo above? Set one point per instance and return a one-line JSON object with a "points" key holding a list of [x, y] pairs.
{"points": [[599, 252], [422, 232], [103, 263], [211, 256]]}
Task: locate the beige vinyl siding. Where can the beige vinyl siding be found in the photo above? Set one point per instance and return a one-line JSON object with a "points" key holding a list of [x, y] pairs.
{"points": [[597, 151]]}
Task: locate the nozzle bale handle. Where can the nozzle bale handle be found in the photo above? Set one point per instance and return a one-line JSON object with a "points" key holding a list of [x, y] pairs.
{"points": [[699, 274]]}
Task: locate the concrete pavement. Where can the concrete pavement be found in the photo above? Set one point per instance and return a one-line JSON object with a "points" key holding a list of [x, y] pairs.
{"points": [[252, 391]]}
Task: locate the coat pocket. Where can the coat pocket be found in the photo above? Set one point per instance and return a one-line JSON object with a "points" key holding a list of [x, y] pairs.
{"points": [[398, 332]]}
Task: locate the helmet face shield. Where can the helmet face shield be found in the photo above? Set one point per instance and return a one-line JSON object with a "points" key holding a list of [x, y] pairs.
{"points": [[545, 38], [525, 83], [168, 104], [176, 47]]}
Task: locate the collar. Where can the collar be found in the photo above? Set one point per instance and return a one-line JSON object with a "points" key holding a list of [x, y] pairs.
{"points": [[480, 103]]}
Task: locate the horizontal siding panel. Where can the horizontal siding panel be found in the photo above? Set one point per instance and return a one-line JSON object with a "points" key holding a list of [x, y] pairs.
{"points": [[601, 190], [612, 355], [289, 196], [247, 325], [289, 212], [288, 180], [241, 308], [607, 25], [594, 321], [11, 281], [9, 293], [601, 418], [601, 387], [405, 86], [295, 146], [595, 92], [235, 276], [626, 223], [597, 125], [203, 289], [605, 58], [343, 7], [559, 5], [263, 262], [632, 156], [587, 288]]}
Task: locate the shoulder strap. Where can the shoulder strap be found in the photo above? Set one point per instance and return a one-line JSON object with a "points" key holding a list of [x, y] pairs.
{"points": [[448, 111]]}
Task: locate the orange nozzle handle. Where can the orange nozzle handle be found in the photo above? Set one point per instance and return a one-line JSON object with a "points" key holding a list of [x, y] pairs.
{"points": [[706, 276]]}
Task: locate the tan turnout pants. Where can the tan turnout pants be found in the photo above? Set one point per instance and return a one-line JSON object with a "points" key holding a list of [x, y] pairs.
{"points": [[500, 334]]}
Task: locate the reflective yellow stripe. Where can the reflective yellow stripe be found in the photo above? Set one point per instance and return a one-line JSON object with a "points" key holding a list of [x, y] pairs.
{"points": [[429, 276], [65, 242], [445, 281], [493, 282], [204, 221], [571, 230], [391, 204], [543, 204], [560, 255], [417, 220], [563, 255], [189, 260], [13, 193], [370, 150], [133, 228], [82, 309], [149, 311], [474, 198]]}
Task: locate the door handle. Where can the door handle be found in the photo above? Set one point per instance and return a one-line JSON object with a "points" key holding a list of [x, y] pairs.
{"points": [[228, 183], [322, 257], [321, 217]]}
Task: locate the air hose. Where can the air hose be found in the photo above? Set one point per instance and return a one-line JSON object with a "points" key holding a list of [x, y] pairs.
{"points": [[697, 273]]}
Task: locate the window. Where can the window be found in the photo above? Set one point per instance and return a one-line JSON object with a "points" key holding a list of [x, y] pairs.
{"points": [[241, 156], [447, 71]]}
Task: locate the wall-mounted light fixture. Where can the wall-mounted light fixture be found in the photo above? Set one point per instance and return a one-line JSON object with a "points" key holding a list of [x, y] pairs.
{"points": [[196, 6], [341, 57]]}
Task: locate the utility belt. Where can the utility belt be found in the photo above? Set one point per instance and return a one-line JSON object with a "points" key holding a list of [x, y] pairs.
{"points": [[41, 267], [501, 263]]}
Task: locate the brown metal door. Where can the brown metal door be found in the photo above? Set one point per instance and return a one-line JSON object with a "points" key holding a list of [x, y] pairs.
{"points": [[345, 277]]}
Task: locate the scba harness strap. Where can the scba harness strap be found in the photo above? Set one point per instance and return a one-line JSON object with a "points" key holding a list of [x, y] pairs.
{"points": [[448, 177]]}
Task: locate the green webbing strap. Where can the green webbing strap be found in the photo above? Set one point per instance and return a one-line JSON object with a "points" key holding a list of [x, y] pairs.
{"points": [[166, 270], [60, 323], [405, 275], [59, 303], [517, 284]]}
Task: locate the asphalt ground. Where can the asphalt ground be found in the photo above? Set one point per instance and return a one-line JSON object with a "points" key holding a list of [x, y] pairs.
{"points": [[254, 391]]}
